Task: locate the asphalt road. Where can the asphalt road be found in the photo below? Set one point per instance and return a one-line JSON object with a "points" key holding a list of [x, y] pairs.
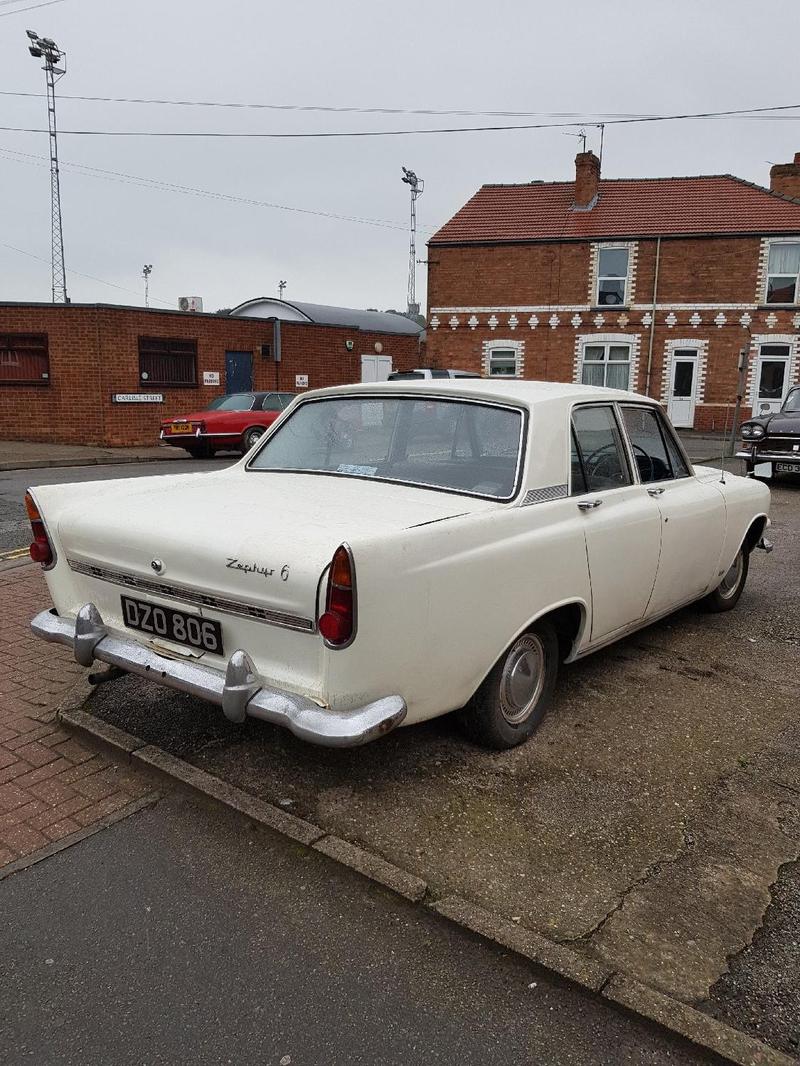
{"points": [[14, 528], [180, 935]]}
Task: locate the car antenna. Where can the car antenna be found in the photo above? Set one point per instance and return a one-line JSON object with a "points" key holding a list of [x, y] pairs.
{"points": [[724, 448]]}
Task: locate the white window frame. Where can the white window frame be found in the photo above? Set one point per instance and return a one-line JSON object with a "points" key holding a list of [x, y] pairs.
{"points": [[612, 246], [768, 275], [496, 347], [606, 362]]}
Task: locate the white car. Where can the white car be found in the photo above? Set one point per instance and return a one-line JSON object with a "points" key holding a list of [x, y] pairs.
{"points": [[387, 553]]}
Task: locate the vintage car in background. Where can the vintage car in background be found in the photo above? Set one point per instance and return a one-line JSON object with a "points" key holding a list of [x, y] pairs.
{"points": [[771, 442], [391, 552], [229, 423]]}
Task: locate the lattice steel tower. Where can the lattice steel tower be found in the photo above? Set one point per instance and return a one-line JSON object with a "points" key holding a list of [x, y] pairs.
{"points": [[417, 187], [54, 68]]}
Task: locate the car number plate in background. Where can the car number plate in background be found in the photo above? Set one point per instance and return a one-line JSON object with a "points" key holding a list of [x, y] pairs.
{"points": [[181, 429], [788, 468], [178, 626]]}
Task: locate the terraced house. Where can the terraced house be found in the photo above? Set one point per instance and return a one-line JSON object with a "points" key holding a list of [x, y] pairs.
{"points": [[652, 284]]}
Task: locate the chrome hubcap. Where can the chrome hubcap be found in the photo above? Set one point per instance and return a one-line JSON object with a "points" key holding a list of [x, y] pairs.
{"points": [[522, 679], [730, 582]]}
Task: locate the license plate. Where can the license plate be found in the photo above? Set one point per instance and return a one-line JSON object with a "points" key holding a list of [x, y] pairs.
{"points": [[178, 626], [788, 468], [187, 428]]}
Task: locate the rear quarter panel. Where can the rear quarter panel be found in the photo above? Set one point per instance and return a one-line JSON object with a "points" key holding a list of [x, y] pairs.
{"points": [[438, 604]]}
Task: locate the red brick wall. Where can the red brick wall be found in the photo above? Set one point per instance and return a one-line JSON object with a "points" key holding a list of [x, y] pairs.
{"points": [[94, 353], [503, 278]]}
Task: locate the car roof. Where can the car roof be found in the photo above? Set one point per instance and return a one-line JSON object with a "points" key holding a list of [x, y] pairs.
{"points": [[522, 393]]}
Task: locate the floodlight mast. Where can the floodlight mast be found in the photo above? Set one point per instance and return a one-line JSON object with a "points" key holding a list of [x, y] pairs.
{"points": [[147, 270], [54, 68], [417, 187]]}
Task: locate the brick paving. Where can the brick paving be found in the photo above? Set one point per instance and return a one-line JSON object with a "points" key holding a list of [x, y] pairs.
{"points": [[51, 785]]}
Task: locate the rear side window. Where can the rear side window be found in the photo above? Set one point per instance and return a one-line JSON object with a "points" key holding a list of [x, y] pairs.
{"points": [[272, 402], [650, 441], [599, 449]]}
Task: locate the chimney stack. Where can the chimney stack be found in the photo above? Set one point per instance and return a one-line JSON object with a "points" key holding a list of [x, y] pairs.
{"points": [[587, 181], [784, 178]]}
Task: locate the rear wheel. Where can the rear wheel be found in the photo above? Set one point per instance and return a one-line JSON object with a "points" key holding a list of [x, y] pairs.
{"points": [[515, 696], [726, 595], [250, 436]]}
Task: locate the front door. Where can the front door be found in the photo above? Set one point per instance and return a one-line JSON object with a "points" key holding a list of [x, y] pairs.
{"points": [[771, 378], [376, 367], [238, 372], [682, 388]]}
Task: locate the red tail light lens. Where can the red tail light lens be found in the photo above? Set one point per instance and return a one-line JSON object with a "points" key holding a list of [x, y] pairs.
{"points": [[337, 624], [40, 549]]}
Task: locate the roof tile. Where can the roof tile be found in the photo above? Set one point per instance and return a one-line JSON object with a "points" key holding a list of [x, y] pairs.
{"points": [[626, 207]]}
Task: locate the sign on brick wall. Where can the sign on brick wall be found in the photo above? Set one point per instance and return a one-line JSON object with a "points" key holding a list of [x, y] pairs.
{"points": [[137, 397], [211, 377]]}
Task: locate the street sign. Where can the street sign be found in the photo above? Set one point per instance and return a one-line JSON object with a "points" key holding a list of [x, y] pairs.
{"points": [[137, 397]]}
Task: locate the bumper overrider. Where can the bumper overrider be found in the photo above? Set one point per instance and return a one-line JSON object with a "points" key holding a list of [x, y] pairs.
{"points": [[238, 691]]}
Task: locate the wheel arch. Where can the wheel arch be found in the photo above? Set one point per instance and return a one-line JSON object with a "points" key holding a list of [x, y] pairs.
{"points": [[569, 618], [755, 532]]}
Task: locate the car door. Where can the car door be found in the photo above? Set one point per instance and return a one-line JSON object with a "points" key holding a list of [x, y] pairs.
{"points": [[691, 511], [621, 526]]}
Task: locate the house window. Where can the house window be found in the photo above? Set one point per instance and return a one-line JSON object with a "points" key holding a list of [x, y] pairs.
{"points": [[782, 273], [607, 365], [503, 363], [24, 359], [612, 276], [167, 361]]}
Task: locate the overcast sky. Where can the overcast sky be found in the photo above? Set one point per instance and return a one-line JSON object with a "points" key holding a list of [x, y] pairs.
{"points": [[621, 56]]}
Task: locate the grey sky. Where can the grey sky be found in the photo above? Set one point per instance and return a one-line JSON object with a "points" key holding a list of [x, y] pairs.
{"points": [[620, 56]]}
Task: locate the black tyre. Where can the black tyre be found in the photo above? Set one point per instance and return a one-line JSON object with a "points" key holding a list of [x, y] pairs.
{"points": [[199, 450], [515, 696], [250, 436], [726, 595]]}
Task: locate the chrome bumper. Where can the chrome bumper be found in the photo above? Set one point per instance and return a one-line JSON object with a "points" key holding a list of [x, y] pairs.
{"points": [[239, 691], [770, 457]]}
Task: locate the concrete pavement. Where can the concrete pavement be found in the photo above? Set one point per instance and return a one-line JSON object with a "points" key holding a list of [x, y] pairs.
{"points": [[183, 936]]}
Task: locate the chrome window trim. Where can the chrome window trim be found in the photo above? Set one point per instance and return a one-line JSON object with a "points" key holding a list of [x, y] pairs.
{"points": [[177, 591], [522, 445]]}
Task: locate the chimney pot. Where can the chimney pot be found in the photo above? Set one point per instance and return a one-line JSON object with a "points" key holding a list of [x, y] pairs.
{"points": [[587, 181], [784, 178]]}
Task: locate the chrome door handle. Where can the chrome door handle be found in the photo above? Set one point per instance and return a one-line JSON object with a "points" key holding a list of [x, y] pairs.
{"points": [[589, 505], [655, 491]]}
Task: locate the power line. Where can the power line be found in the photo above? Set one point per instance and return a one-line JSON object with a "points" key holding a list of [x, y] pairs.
{"points": [[166, 186], [400, 133], [579, 116], [19, 10], [91, 277]]}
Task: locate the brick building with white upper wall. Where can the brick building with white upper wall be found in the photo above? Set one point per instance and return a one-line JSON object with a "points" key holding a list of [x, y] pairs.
{"points": [[652, 284]]}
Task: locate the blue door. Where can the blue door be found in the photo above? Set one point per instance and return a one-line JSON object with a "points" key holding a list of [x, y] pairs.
{"points": [[238, 372]]}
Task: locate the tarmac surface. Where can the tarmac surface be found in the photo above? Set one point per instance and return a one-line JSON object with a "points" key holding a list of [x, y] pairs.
{"points": [[180, 935]]}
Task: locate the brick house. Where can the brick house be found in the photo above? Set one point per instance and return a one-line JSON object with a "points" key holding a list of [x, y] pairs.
{"points": [[106, 374], [652, 284]]}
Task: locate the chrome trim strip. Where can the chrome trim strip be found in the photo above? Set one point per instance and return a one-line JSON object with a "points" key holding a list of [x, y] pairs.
{"points": [[767, 457], [195, 596], [239, 691], [544, 495]]}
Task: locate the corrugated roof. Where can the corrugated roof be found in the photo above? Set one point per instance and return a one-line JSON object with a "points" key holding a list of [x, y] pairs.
{"points": [[625, 207], [329, 315]]}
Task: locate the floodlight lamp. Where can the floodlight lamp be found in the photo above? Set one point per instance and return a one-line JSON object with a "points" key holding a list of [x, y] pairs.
{"points": [[32, 34], [35, 52], [49, 42]]}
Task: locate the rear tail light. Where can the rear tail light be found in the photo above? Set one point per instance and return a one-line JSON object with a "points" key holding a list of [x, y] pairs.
{"points": [[201, 427], [338, 624], [40, 550]]}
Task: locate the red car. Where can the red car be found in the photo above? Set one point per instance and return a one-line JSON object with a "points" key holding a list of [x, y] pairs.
{"points": [[229, 423]]}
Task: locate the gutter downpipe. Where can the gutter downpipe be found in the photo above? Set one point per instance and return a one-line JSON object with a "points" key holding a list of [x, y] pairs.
{"points": [[653, 322]]}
